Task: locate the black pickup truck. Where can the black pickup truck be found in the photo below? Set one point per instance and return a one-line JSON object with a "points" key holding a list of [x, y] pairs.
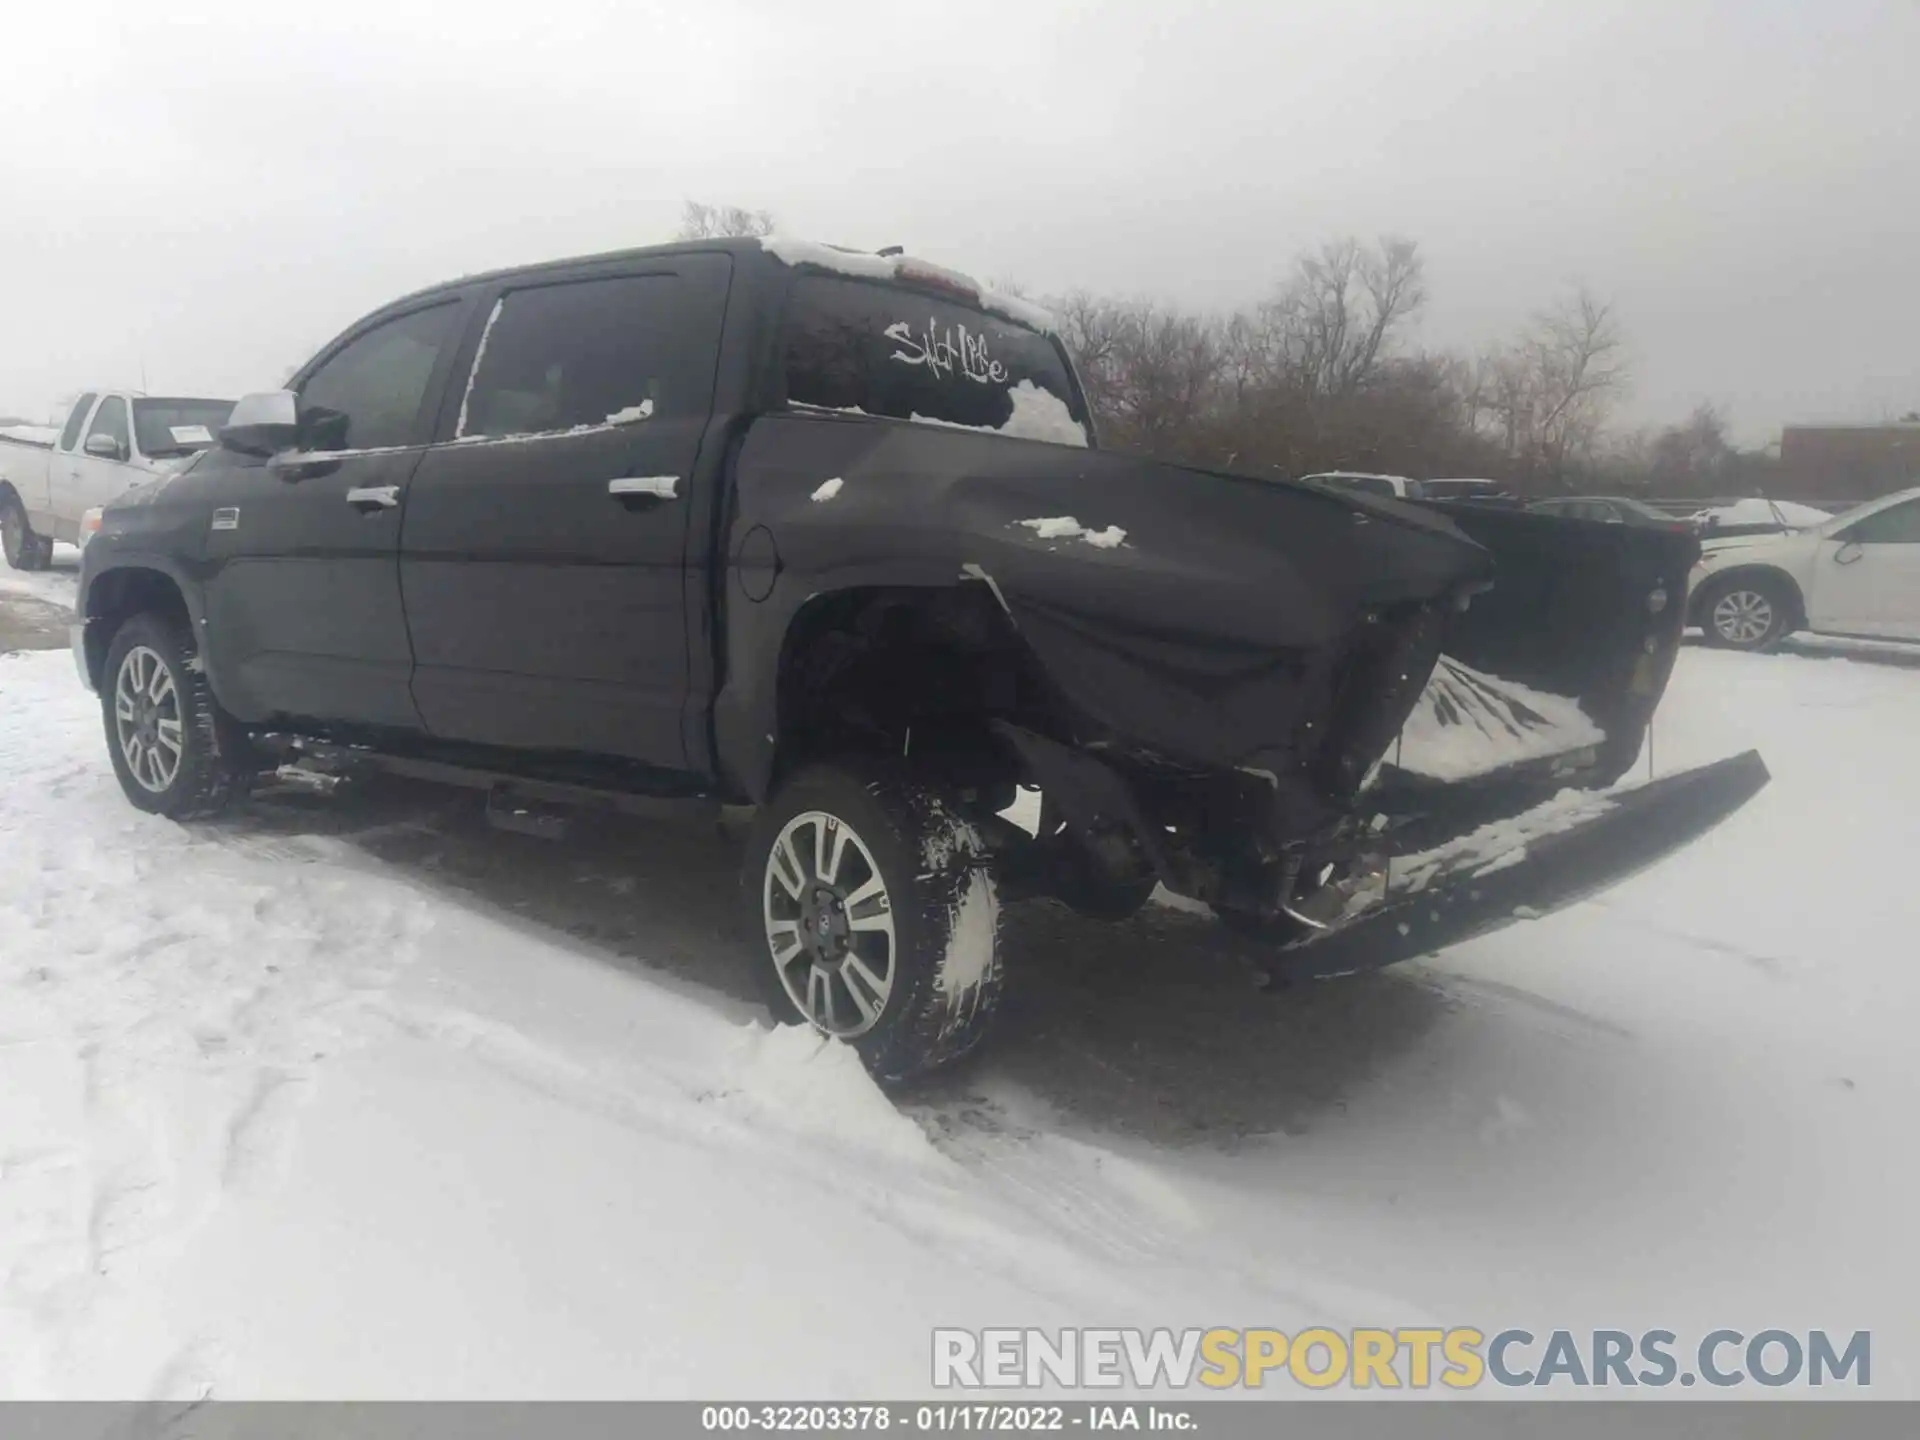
{"points": [[828, 534]]}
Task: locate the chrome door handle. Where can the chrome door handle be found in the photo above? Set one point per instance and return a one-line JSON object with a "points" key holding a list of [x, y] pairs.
{"points": [[656, 487], [383, 497]]}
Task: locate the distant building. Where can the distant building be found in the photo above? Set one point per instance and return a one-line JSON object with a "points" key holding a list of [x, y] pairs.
{"points": [[1849, 462]]}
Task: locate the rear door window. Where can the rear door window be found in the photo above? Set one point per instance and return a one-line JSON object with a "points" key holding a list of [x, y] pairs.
{"points": [[70, 436], [878, 349], [583, 353]]}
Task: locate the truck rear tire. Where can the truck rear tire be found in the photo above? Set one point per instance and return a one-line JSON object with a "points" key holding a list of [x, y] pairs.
{"points": [[174, 752], [24, 549], [875, 914]]}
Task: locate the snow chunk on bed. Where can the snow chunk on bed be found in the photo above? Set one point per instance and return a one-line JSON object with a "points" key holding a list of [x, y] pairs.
{"points": [[642, 411], [1468, 723], [828, 490], [1066, 527]]}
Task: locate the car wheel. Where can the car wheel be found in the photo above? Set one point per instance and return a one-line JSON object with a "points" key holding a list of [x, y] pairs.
{"points": [[877, 917], [24, 549], [1746, 613], [173, 751]]}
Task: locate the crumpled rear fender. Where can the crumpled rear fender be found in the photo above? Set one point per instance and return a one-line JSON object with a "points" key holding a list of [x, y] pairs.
{"points": [[1194, 615]]}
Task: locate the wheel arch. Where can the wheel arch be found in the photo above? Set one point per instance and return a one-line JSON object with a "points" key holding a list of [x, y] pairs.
{"points": [[800, 662], [132, 587]]}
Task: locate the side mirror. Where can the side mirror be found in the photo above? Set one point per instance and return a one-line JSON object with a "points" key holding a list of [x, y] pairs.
{"points": [[105, 447], [1848, 552], [264, 423]]}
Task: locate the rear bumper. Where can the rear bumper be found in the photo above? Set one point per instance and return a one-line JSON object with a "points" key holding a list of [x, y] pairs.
{"points": [[1475, 884], [77, 640]]}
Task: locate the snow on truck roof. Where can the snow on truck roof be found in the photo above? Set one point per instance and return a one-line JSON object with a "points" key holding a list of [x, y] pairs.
{"points": [[905, 268], [790, 250]]}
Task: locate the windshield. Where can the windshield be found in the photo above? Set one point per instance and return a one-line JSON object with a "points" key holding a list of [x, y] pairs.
{"points": [[880, 349], [178, 427]]}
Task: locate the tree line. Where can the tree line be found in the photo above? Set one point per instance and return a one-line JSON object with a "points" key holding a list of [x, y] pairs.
{"points": [[1324, 374]]}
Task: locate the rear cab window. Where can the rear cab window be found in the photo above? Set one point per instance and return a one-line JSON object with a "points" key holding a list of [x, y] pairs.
{"points": [[871, 347]]}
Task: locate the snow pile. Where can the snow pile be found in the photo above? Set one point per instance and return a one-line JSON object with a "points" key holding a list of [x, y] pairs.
{"points": [[41, 436], [792, 1079], [1467, 722], [828, 489], [1066, 527], [1038, 414]]}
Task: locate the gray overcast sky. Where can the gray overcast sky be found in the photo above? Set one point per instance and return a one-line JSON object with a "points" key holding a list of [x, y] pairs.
{"points": [[215, 191]]}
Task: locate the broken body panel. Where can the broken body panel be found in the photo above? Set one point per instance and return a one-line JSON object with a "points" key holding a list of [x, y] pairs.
{"points": [[1211, 676]]}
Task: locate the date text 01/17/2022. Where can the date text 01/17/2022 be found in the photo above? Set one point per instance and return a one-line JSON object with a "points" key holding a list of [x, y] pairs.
{"points": [[985, 1419]]}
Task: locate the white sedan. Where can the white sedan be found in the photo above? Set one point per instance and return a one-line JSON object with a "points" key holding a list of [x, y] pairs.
{"points": [[1855, 575]]}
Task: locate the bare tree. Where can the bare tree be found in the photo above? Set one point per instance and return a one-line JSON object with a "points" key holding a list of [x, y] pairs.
{"points": [[1548, 395], [699, 221], [1333, 323], [1151, 372]]}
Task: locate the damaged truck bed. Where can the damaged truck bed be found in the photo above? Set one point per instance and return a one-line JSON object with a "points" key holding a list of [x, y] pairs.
{"points": [[829, 534]]}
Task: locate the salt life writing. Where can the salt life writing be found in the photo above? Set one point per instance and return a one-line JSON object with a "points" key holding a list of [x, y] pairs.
{"points": [[943, 354]]}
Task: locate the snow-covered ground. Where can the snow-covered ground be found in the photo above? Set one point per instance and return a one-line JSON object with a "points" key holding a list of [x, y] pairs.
{"points": [[353, 1096], [56, 586]]}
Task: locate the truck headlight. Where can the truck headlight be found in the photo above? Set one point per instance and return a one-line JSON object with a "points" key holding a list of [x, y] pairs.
{"points": [[89, 526]]}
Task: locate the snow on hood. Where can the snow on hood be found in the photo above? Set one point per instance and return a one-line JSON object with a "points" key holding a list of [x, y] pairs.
{"points": [[790, 250], [1066, 527]]}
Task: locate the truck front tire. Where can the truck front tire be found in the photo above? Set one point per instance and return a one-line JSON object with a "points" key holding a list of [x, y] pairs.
{"points": [[875, 917], [173, 751], [24, 549]]}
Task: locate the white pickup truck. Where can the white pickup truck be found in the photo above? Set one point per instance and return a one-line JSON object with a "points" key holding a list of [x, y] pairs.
{"points": [[111, 441]]}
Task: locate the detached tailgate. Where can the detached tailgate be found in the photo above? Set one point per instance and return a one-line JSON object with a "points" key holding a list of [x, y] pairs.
{"points": [[1555, 672]]}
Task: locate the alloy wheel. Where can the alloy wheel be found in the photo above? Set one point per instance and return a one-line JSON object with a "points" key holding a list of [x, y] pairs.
{"points": [[1743, 617], [146, 716], [829, 924]]}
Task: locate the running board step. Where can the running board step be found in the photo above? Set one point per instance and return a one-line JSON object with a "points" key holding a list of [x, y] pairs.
{"points": [[1569, 848]]}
